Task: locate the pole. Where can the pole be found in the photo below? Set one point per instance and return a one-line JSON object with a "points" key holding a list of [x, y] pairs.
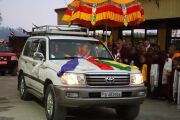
{"points": [[106, 34]]}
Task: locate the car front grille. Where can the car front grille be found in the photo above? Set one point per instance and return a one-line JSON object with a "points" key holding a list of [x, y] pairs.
{"points": [[108, 79]]}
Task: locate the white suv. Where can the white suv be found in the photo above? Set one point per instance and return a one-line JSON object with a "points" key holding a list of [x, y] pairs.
{"points": [[67, 70]]}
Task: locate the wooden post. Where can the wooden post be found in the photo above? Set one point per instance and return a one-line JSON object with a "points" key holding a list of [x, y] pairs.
{"points": [[162, 31]]}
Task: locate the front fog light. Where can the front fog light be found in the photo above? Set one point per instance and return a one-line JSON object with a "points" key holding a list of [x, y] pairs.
{"points": [[141, 93], [136, 79], [72, 79]]}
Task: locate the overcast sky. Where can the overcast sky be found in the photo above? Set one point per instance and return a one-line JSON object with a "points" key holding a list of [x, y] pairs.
{"points": [[22, 13]]}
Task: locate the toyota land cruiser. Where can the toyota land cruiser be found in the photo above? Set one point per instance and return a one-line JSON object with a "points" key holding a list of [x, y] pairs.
{"points": [[67, 70]]}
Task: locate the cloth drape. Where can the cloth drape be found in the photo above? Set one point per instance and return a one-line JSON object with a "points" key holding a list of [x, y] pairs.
{"points": [[167, 69], [178, 98], [176, 88], [154, 76], [144, 72]]}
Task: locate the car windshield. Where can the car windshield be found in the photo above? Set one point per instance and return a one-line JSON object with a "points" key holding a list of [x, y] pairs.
{"points": [[4, 48], [69, 49]]}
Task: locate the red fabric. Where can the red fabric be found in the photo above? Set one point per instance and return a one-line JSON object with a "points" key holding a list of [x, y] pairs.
{"points": [[100, 65], [111, 8], [142, 12], [68, 12], [133, 8], [84, 9]]}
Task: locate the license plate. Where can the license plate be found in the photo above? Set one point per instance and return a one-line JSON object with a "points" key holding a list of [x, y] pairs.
{"points": [[111, 94], [3, 62]]}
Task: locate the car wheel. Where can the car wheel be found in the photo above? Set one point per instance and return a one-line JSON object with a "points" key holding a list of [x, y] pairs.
{"points": [[3, 73], [52, 109], [23, 88], [128, 112]]}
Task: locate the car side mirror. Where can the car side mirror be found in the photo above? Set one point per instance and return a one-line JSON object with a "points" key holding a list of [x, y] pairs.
{"points": [[38, 56]]}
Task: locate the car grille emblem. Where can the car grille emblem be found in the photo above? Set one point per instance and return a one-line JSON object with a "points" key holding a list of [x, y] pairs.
{"points": [[110, 80]]}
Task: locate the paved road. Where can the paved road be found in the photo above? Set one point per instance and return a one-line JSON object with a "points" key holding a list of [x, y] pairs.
{"points": [[13, 108]]}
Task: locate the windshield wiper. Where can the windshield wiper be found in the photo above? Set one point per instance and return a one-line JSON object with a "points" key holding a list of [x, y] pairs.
{"points": [[71, 57]]}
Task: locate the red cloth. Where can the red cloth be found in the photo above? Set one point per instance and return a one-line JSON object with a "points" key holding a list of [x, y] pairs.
{"points": [[100, 65]]}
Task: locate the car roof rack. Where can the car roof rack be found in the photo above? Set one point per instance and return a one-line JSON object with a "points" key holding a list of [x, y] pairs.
{"points": [[60, 30]]}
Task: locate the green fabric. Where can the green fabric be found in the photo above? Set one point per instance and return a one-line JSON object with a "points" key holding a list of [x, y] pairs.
{"points": [[128, 68]]}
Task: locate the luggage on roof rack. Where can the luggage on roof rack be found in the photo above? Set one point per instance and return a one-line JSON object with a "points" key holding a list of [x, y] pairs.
{"points": [[60, 30]]}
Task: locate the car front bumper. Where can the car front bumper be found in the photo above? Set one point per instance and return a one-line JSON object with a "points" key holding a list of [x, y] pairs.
{"points": [[9, 66], [91, 96]]}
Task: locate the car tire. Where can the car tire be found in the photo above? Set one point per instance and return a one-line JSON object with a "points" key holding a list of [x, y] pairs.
{"points": [[23, 88], [53, 110], [128, 112], [3, 73]]}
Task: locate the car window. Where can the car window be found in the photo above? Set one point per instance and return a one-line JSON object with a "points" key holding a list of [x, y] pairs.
{"points": [[64, 49], [27, 48], [4, 48], [42, 47], [34, 47]]}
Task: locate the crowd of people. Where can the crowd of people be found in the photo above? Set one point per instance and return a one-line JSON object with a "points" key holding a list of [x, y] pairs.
{"points": [[160, 68]]}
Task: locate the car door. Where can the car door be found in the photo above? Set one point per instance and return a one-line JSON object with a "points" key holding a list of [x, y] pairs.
{"points": [[24, 61], [37, 66], [32, 80]]}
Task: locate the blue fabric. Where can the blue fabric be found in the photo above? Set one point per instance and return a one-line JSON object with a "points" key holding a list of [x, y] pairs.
{"points": [[70, 65]]}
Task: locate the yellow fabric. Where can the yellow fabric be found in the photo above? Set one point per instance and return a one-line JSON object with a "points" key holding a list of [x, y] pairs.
{"points": [[134, 67], [123, 65], [94, 1], [144, 72], [106, 15], [81, 16], [122, 1], [66, 18], [101, 1], [133, 16], [75, 3]]}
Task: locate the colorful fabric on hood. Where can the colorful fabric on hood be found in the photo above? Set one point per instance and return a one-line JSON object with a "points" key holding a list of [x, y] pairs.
{"points": [[123, 65], [116, 65], [69, 66], [101, 65]]}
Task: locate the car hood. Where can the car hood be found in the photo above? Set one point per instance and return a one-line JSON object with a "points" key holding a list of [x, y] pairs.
{"points": [[85, 66], [3, 54]]}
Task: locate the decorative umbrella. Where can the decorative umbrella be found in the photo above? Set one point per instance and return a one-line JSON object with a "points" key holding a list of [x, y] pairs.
{"points": [[111, 13], [70, 10]]}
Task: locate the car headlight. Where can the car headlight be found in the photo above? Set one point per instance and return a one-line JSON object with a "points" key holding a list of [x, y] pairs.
{"points": [[73, 79], [13, 58], [136, 79]]}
